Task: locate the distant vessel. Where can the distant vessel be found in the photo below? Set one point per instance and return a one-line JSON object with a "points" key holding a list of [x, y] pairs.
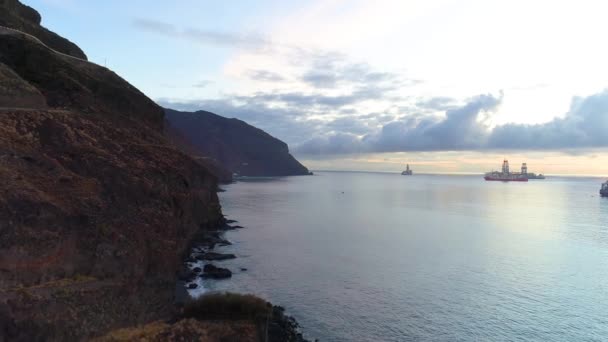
{"points": [[604, 190], [408, 171], [505, 175]]}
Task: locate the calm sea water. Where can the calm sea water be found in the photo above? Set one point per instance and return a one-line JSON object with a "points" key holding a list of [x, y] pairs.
{"points": [[384, 257]]}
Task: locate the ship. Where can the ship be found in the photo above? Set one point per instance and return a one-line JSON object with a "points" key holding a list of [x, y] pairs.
{"points": [[604, 190], [505, 175], [408, 171]]}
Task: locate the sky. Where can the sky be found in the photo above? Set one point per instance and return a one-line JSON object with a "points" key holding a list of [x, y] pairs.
{"points": [[446, 86]]}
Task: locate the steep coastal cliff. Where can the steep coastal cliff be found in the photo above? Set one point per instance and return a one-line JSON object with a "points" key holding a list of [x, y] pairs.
{"points": [[96, 206], [236, 145]]}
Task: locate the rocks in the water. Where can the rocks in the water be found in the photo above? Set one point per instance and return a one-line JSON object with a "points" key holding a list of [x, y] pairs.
{"points": [[192, 286], [190, 258], [208, 240], [196, 270], [212, 271], [225, 243], [231, 221], [243, 269], [215, 256], [229, 227]]}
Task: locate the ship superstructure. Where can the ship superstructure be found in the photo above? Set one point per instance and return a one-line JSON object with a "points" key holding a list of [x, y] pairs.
{"points": [[408, 171], [530, 175]]}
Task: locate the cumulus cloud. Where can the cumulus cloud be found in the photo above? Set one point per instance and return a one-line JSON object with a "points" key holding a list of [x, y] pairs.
{"points": [[338, 143], [461, 128], [584, 126], [347, 124]]}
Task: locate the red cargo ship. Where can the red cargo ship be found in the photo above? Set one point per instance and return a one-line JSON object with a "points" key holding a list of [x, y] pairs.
{"points": [[505, 175]]}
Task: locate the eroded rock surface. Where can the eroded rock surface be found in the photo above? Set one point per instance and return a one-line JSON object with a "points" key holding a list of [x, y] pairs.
{"points": [[97, 208]]}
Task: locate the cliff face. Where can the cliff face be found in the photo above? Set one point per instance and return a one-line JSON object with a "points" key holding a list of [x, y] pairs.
{"points": [[179, 140], [18, 16], [58, 81], [236, 145], [96, 206]]}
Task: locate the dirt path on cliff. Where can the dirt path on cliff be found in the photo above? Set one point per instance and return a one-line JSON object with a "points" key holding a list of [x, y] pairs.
{"points": [[8, 30]]}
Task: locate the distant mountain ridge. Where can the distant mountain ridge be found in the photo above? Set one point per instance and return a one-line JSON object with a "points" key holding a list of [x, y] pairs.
{"points": [[236, 145]]}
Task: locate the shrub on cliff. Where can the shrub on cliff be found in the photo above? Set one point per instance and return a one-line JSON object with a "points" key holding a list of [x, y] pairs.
{"points": [[227, 306]]}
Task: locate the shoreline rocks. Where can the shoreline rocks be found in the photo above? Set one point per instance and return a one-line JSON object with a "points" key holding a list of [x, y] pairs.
{"points": [[214, 272], [215, 256], [281, 327]]}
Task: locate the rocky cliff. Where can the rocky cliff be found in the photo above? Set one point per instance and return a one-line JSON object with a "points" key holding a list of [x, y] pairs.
{"points": [[96, 206], [18, 16], [238, 146], [180, 141]]}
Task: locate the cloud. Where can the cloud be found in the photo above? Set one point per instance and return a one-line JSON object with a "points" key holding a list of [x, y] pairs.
{"points": [[336, 105], [299, 121], [318, 101], [226, 38], [462, 128], [348, 124], [584, 126], [330, 70], [439, 103], [264, 76], [208, 37], [154, 26], [339, 143], [202, 84]]}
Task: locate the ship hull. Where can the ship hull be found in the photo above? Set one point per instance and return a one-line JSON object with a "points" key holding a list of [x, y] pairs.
{"points": [[501, 179]]}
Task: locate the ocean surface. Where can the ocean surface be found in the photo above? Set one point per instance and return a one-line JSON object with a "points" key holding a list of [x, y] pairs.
{"points": [[384, 257]]}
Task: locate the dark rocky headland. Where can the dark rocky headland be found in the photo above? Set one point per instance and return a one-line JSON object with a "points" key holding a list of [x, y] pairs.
{"points": [[235, 145], [98, 207]]}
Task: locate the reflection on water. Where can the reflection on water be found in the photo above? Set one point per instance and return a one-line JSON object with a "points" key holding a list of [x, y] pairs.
{"points": [[381, 257]]}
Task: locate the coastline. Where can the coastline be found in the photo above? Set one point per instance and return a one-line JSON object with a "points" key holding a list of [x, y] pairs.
{"points": [[202, 263]]}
